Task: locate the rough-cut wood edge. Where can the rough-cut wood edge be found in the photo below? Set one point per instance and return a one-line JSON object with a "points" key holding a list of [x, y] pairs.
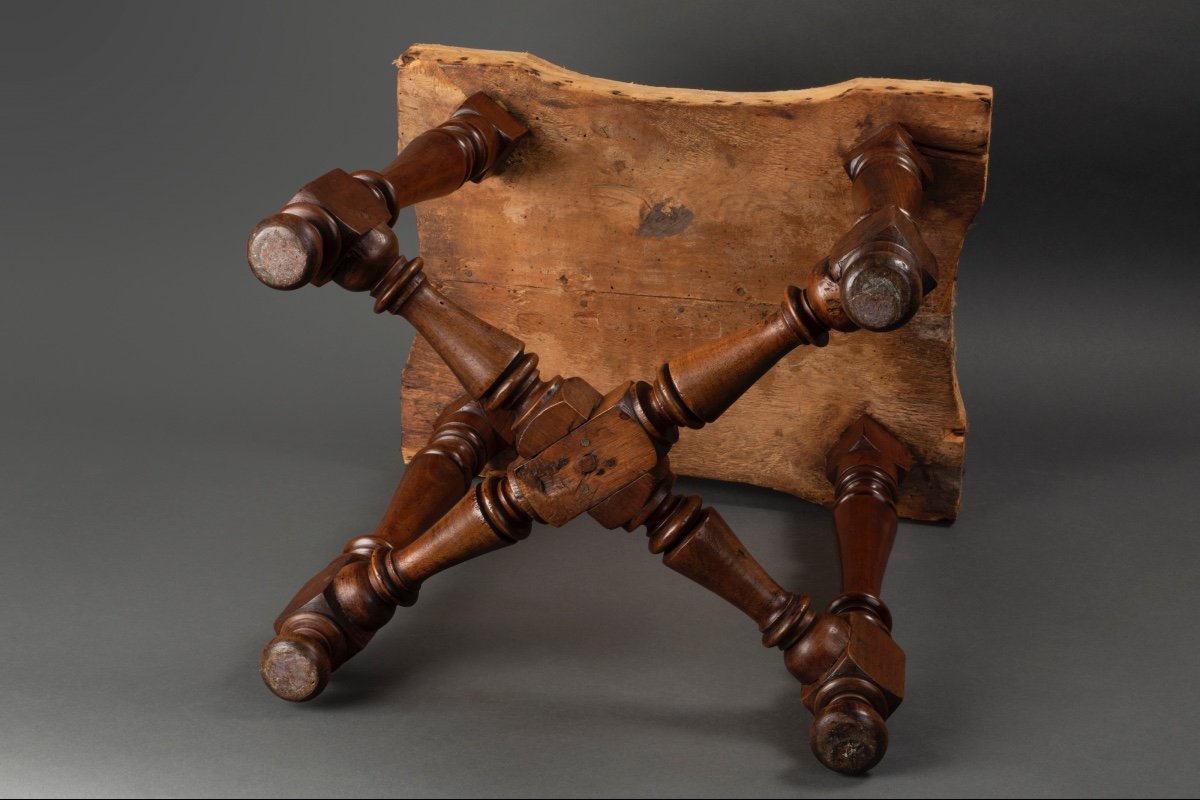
{"points": [[949, 143], [945, 142], [448, 56]]}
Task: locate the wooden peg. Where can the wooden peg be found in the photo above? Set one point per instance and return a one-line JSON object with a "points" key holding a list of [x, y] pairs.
{"points": [[853, 698]]}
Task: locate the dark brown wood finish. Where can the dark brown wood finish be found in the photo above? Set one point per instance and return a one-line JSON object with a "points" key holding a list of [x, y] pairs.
{"points": [[575, 450], [440, 473], [331, 618], [697, 543], [878, 273], [318, 233], [853, 697]]}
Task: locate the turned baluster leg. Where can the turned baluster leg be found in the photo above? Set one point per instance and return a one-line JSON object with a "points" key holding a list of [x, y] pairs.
{"points": [[875, 276], [338, 228], [439, 474], [322, 227], [866, 684], [315, 634], [361, 594], [697, 542], [492, 516]]}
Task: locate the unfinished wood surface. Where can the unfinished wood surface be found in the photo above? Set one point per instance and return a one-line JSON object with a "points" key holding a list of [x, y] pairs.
{"points": [[636, 222]]}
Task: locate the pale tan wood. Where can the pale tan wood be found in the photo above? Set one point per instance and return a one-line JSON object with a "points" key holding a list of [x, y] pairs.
{"points": [[636, 222]]}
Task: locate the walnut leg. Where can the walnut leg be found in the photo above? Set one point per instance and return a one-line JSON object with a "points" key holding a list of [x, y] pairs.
{"points": [[463, 441], [360, 594], [866, 684], [321, 229], [315, 633], [852, 673], [697, 542]]}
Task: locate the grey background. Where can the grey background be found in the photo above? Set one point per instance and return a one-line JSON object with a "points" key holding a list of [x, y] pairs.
{"points": [[182, 447]]}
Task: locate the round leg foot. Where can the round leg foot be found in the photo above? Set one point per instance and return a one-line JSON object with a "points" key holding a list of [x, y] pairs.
{"points": [[849, 736], [294, 667]]}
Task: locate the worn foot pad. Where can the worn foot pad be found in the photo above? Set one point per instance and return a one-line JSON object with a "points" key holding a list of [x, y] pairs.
{"points": [[849, 736], [294, 668]]}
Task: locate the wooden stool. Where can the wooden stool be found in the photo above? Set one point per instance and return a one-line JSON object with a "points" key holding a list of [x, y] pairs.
{"points": [[629, 221]]}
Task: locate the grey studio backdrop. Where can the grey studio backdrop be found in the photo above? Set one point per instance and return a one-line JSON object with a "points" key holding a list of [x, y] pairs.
{"points": [[183, 447]]}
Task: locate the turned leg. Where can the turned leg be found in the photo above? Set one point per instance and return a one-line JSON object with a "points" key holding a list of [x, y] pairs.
{"points": [[315, 633], [697, 542], [322, 227], [853, 698], [852, 673], [463, 441], [338, 228], [361, 594]]}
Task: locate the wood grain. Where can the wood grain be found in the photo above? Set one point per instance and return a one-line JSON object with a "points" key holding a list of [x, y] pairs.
{"points": [[637, 222]]}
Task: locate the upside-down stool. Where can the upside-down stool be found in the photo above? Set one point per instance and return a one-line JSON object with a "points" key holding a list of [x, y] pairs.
{"points": [[625, 224]]}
